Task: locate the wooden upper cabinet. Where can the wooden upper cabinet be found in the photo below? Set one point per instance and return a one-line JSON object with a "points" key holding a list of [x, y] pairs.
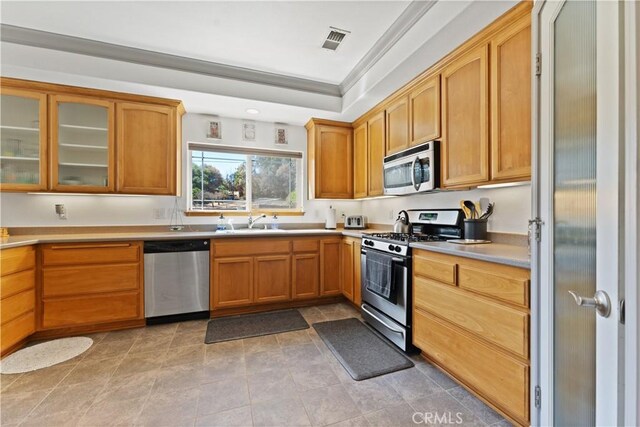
{"points": [[376, 133], [82, 144], [465, 119], [23, 133], [147, 149], [511, 77], [360, 161], [424, 106], [330, 156], [397, 121]]}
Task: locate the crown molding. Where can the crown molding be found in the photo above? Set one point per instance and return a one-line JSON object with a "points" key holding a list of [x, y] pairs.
{"points": [[407, 19], [82, 46]]}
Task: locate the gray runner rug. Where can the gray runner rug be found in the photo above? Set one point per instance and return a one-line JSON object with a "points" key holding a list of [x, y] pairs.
{"points": [[254, 325], [361, 351]]}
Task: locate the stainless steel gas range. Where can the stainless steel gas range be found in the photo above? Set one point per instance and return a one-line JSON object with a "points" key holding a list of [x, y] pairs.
{"points": [[386, 270]]}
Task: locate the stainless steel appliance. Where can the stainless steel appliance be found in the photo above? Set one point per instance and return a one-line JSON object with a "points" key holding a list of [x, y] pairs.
{"points": [[413, 170], [355, 222], [176, 280], [391, 315]]}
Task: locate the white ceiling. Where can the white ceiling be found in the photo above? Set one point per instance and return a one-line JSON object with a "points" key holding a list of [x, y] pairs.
{"points": [[282, 37]]}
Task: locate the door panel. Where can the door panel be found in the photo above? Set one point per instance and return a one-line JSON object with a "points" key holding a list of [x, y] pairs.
{"points": [[360, 161], [330, 278], [397, 118], [376, 134], [425, 111], [305, 274], [232, 282], [272, 275], [347, 269]]}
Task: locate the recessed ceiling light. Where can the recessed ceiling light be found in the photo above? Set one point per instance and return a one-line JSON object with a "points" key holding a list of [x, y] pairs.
{"points": [[252, 111]]}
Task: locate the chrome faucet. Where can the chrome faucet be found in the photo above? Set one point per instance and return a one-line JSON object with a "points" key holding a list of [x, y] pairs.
{"points": [[253, 221]]}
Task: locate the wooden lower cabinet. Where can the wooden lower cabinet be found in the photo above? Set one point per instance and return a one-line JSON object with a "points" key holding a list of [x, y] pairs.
{"points": [[272, 278], [17, 296], [249, 273], [493, 375], [471, 318], [305, 275], [232, 282], [351, 269], [330, 274], [91, 284]]}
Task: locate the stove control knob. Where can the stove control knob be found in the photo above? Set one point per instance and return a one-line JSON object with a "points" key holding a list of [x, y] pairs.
{"points": [[392, 248], [398, 249], [368, 243]]}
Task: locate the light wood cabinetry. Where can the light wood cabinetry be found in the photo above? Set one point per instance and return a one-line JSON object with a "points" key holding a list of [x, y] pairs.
{"points": [[397, 123], [90, 284], [144, 129], [250, 273], [23, 140], [272, 278], [471, 319], [465, 119], [96, 141], [511, 102], [330, 274], [17, 296], [351, 270], [377, 149], [424, 109], [360, 162], [330, 159], [82, 133]]}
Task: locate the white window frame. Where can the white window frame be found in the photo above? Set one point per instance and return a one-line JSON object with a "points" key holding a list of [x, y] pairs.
{"points": [[249, 152]]}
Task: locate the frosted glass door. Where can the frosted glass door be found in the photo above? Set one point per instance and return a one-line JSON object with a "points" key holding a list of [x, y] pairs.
{"points": [[83, 145], [22, 140]]}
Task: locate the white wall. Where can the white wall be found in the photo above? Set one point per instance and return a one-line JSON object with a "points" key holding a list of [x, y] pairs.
{"points": [[31, 210], [511, 213]]}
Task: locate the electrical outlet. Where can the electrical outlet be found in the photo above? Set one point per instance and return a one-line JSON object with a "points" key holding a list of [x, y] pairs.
{"points": [[61, 211], [159, 213], [342, 215]]}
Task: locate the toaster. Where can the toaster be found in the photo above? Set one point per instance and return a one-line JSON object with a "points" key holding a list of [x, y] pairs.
{"points": [[355, 222]]}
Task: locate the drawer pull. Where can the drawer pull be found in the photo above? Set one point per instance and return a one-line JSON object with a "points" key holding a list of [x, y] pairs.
{"points": [[104, 245]]}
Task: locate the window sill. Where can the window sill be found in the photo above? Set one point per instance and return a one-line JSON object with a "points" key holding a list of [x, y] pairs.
{"points": [[243, 213]]}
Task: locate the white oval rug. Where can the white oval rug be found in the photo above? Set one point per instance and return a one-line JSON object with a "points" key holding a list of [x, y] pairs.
{"points": [[44, 354]]}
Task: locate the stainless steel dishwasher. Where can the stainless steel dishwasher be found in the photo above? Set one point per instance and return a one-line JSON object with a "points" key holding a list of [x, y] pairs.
{"points": [[176, 280]]}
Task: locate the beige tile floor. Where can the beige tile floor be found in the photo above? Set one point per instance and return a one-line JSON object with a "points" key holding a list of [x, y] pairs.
{"points": [[165, 376]]}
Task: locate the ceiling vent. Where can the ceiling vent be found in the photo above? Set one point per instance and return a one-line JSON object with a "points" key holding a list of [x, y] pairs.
{"points": [[335, 37]]}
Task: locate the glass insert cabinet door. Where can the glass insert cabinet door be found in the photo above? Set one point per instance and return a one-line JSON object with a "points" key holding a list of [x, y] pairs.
{"points": [[23, 140], [82, 144]]}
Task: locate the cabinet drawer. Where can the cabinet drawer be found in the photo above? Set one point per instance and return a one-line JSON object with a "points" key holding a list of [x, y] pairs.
{"points": [[506, 283], [65, 281], [90, 253], [14, 331], [502, 380], [306, 245], [244, 246], [17, 282], [17, 259], [502, 325], [91, 310], [435, 266], [16, 305]]}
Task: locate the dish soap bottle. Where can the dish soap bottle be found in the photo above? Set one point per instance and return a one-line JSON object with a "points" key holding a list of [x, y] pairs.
{"points": [[274, 222], [221, 223]]}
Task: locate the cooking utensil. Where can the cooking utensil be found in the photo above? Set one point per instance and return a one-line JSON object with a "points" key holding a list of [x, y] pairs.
{"points": [[489, 211], [472, 208], [467, 213], [402, 225]]}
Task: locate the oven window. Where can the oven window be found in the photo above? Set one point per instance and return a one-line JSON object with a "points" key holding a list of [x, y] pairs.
{"points": [[398, 176]]}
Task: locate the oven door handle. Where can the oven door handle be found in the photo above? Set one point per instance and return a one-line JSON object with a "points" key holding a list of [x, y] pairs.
{"points": [[402, 262], [391, 328]]}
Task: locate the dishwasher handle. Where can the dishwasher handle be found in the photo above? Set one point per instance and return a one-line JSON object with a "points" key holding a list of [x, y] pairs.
{"points": [[165, 246]]}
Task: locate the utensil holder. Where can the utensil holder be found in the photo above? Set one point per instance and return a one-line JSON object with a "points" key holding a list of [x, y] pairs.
{"points": [[475, 229]]}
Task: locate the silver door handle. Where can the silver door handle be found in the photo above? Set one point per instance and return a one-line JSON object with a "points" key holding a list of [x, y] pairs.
{"points": [[391, 328], [600, 301]]}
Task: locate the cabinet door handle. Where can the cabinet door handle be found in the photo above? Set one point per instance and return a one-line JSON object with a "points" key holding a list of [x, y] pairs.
{"points": [[102, 245]]}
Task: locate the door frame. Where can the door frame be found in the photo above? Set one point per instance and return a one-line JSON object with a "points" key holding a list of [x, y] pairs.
{"points": [[629, 245]]}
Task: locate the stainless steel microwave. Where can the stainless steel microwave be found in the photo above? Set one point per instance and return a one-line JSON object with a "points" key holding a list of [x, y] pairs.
{"points": [[413, 170]]}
